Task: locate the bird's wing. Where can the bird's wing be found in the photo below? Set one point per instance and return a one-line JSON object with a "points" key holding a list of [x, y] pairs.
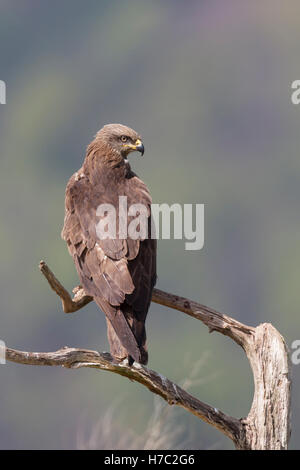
{"points": [[102, 267], [110, 270]]}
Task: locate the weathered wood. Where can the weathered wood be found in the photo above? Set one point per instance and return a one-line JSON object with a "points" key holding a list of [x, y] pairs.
{"points": [[267, 425], [76, 358]]}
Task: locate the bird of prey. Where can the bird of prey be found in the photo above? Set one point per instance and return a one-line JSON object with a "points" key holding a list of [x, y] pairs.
{"points": [[119, 273]]}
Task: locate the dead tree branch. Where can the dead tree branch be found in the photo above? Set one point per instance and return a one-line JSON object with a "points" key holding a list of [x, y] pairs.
{"points": [[156, 383], [267, 425]]}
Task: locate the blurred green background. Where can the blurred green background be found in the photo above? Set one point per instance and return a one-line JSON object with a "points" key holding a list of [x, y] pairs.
{"points": [[207, 84]]}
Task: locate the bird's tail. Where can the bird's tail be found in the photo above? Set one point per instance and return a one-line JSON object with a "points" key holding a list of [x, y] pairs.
{"points": [[132, 344], [126, 334]]}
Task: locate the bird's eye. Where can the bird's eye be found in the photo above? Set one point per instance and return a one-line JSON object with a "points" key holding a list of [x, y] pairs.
{"points": [[124, 138]]}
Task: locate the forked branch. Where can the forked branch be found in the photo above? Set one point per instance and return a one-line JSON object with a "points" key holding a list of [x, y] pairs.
{"points": [[267, 425]]}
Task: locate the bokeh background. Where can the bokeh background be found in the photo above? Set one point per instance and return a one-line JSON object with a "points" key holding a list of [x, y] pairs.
{"points": [[208, 85]]}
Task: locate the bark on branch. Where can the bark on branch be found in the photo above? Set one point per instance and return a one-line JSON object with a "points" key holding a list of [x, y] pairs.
{"points": [[156, 383], [267, 425]]}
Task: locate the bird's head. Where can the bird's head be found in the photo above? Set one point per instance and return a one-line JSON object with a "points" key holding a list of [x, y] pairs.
{"points": [[121, 140]]}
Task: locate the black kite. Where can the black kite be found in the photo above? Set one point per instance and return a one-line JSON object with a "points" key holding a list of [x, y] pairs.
{"points": [[118, 273]]}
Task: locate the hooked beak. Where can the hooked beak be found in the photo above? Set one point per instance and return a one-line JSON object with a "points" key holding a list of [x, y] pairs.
{"points": [[137, 146]]}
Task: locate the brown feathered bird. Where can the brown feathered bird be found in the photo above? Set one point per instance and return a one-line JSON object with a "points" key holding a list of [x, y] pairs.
{"points": [[118, 273]]}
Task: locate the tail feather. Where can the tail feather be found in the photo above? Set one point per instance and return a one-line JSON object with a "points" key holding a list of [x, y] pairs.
{"points": [[120, 352], [121, 334]]}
